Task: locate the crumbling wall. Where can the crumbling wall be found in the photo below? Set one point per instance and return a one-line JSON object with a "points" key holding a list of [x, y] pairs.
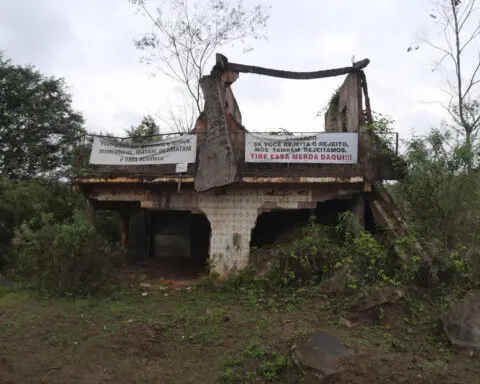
{"points": [[213, 150], [217, 165], [345, 114]]}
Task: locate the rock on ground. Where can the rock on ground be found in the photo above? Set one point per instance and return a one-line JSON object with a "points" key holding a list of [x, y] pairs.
{"points": [[462, 321], [321, 353]]}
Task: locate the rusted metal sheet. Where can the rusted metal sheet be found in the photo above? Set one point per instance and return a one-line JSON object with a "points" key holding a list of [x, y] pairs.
{"points": [[300, 170], [301, 180], [133, 180]]}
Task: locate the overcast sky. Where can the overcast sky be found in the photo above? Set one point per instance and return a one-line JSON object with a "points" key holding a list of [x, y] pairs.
{"points": [[90, 44]]}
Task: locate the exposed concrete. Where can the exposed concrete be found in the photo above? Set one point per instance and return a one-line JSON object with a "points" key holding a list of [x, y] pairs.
{"points": [[217, 165], [90, 209], [346, 116], [359, 211]]}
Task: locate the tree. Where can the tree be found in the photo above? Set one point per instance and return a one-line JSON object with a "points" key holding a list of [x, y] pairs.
{"points": [[459, 24], [38, 126], [147, 130], [186, 34], [438, 193]]}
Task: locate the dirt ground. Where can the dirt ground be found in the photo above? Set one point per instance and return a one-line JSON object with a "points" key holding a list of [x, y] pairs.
{"points": [[163, 334]]}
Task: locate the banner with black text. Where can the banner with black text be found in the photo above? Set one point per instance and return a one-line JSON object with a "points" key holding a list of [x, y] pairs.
{"points": [[108, 151], [326, 148]]}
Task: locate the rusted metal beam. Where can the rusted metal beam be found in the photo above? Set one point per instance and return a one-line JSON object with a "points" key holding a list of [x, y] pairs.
{"points": [[129, 180], [222, 65], [247, 180], [302, 180]]}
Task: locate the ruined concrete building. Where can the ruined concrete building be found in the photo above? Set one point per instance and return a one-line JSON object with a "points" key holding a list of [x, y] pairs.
{"points": [[212, 193]]}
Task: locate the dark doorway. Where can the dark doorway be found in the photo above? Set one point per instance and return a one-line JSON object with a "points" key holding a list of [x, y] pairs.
{"points": [[178, 244], [279, 226], [327, 211]]}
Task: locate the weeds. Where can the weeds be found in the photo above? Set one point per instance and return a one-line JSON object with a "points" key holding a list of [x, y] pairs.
{"points": [[68, 259], [257, 361]]}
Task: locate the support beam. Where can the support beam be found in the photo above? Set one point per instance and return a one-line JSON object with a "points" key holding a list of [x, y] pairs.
{"points": [[223, 65]]}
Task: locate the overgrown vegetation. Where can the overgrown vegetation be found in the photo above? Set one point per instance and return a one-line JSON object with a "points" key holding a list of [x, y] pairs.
{"points": [[27, 201], [46, 243], [68, 259], [321, 251], [440, 196]]}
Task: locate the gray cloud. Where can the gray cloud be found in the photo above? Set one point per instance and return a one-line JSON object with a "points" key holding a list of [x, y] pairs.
{"points": [[90, 43], [34, 31]]}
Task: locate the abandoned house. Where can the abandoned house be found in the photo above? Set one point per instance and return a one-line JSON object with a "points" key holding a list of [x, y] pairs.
{"points": [[209, 195]]}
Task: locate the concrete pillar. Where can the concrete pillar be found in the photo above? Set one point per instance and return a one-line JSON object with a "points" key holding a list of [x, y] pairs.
{"points": [[124, 229], [359, 211], [230, 239], [90, 209]]}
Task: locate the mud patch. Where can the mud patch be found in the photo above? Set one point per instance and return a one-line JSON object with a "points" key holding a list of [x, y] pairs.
{"points": [[6, 372], [393, 369], [382, 307], [139, 340]]}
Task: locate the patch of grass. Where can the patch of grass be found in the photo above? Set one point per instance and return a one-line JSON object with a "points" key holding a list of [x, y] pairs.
{"points": [[233, 335], [258, 362], [11, 297]]}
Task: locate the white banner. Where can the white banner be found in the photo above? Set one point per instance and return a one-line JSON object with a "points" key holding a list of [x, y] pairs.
{"points": [[107, 151], [324, 148]]}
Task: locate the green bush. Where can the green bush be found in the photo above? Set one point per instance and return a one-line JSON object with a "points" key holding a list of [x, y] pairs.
{"points": [[108, 225], [441, 199], [68, 259], [27, 200], [322, 250]]}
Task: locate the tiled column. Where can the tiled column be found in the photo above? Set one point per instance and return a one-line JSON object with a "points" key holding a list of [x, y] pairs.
{"points": [[231, 226]]}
